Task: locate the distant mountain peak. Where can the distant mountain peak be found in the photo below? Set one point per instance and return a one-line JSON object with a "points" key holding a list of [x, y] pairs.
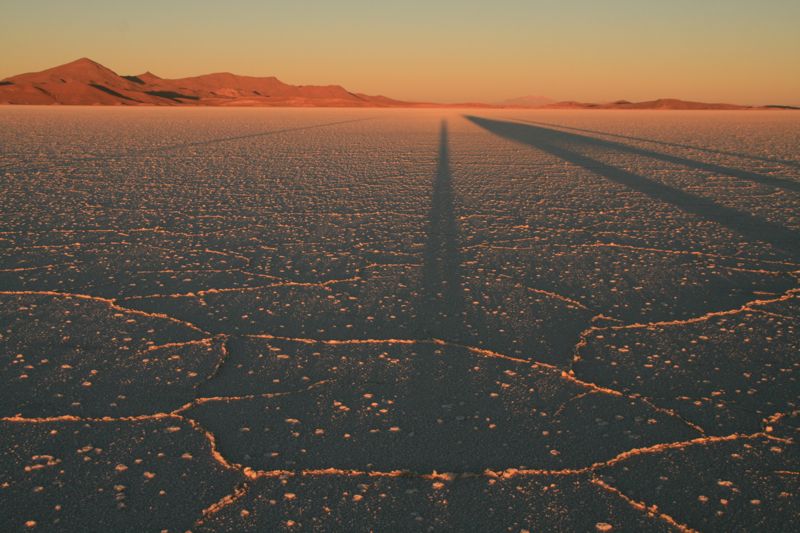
{"points": [[660, 103], [145, 78], [81, 71], [86, 82], [83, 61], [533, 100], [83, 64]]}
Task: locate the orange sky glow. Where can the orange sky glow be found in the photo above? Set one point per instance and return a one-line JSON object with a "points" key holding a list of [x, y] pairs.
{"points": [[445, 51]]}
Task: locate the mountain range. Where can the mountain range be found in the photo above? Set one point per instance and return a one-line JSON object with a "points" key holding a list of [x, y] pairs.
{"points": [[86, 82]]}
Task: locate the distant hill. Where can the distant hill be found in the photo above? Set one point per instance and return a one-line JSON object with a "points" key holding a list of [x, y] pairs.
{"points": [[662, 103], [86, 82], [527, 101]]}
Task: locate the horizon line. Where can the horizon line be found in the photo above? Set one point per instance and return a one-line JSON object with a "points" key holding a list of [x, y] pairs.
{"points": [[546, 102]]}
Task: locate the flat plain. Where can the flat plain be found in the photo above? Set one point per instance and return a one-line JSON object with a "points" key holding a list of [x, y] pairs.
{"points": [[391, 320]]}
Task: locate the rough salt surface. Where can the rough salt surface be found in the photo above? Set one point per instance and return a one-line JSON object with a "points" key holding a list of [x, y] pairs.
{"points": [[248, 320]]}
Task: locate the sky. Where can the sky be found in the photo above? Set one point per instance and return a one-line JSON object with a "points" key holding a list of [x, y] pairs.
{"points": [[739, 51]]}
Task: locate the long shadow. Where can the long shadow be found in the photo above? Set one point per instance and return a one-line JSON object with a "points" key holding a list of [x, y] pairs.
{"points": [[667, 143], [566, 146], [772, 181], [442, 301]]}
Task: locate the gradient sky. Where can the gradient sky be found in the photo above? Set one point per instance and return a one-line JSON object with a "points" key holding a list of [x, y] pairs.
{"points": [[742, 51]]}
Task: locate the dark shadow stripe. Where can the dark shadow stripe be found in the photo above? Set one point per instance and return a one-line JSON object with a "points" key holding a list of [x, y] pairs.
{"points": [[772, 181], [172, 95], [667, 143], [565, 146], [112, 92], [442, 301]]}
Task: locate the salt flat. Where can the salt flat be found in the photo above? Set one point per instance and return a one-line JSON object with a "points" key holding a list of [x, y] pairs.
{"points": [[313, 319]]}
